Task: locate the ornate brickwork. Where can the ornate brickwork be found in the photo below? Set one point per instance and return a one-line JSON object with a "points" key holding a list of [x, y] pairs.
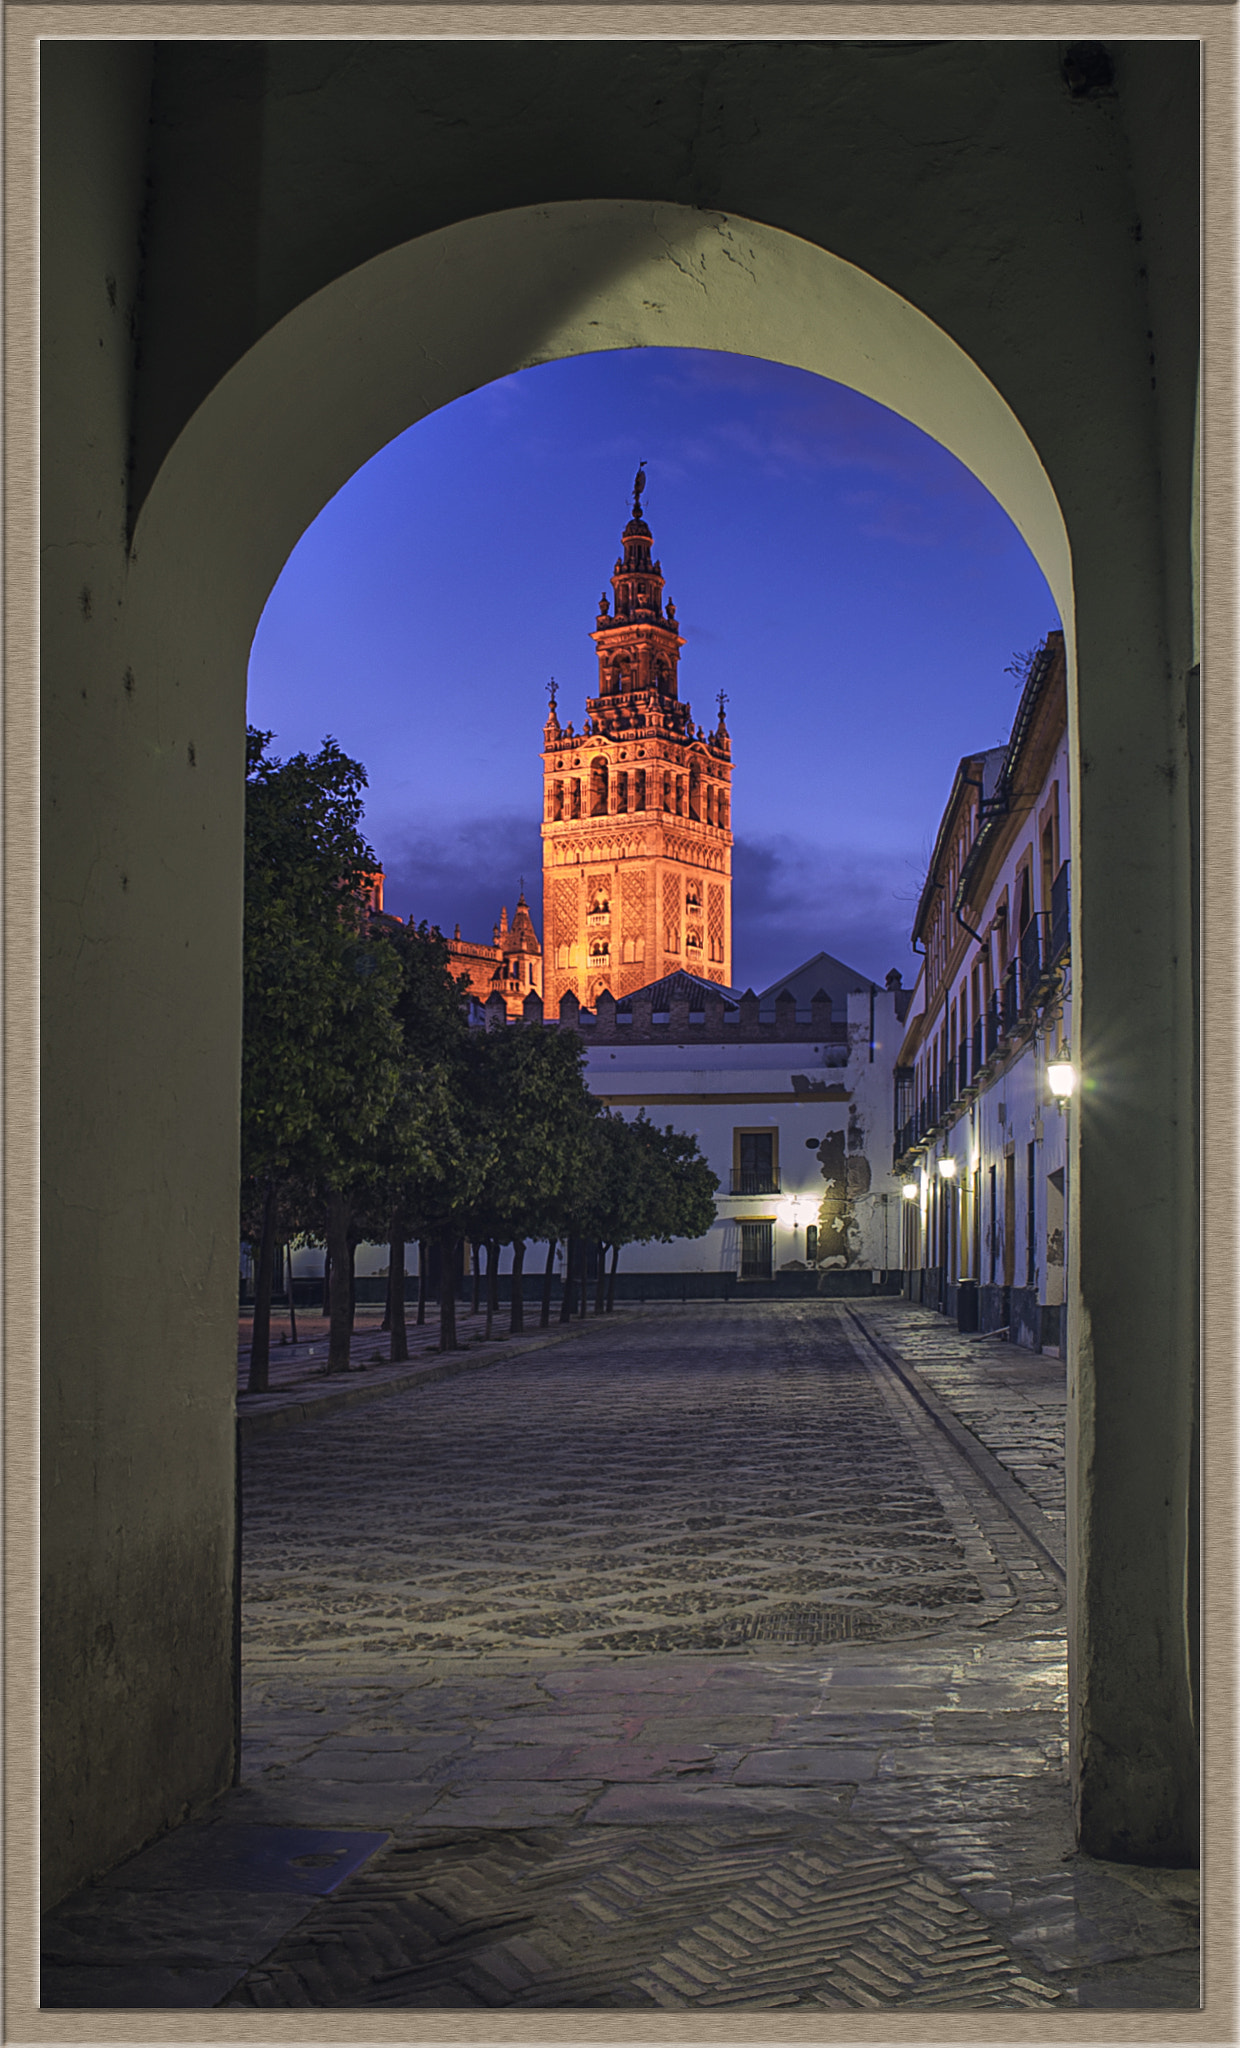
{"points": [[633, 916], [714, 928], [640, 793], [671, 913], [565, 920]]}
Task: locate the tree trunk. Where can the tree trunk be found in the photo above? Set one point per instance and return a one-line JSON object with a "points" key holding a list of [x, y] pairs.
{"points": [[516, 1305], [492, 1285], [600, 1291], [424, 1252], [611, 1283], [475, 1257], [341, 1333], [327, 1281], [398, 1348], [447, 1292], [386, 1324], [292, 1312], [260, 1338], [570, 1255], [583, 1250], [548, 1276]]}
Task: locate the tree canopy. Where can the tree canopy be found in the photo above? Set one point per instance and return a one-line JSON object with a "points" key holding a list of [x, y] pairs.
{"points": [[370, 1106]]}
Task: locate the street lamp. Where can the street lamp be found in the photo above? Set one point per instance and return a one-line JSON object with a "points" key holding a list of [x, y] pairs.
{"points": [[1061, 1076], [947, 1169], [910, 1191]]}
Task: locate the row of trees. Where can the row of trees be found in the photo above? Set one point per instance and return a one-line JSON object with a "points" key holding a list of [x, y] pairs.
{"points": [[371, 1112]]}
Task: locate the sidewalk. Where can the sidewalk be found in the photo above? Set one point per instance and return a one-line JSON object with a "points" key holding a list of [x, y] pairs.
{"points": [[300, 1389]]}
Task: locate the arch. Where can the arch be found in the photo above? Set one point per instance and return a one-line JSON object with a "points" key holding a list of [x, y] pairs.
{"points": [[574, 277], [321, 391]]}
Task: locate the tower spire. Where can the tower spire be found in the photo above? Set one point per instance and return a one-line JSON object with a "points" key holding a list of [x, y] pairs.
{"points": [[637, 853]]}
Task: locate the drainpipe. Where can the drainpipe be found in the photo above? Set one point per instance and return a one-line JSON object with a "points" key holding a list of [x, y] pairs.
{"points": [[970, 782]]}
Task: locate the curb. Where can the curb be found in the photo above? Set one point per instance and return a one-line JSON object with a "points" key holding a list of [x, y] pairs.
{"points": [[261, 1422], [1008, 1491]]}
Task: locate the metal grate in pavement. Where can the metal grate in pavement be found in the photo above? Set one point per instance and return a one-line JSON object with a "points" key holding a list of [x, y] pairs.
{"points": [[830, 1625]]}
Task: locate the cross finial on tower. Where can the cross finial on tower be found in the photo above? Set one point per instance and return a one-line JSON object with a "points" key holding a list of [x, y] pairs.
{"points": [[722, 700], [551, 690]]}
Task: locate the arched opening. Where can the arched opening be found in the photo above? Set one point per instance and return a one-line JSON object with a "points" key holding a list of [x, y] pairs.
{"points": [[320, 392]]}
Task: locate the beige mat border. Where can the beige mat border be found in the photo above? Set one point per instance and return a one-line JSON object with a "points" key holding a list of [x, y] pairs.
{"points": [[1215, 26]]}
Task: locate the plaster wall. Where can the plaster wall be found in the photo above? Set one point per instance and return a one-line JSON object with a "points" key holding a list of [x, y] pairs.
{"points": [[141, 782], [316, 260], [702, 1090]]}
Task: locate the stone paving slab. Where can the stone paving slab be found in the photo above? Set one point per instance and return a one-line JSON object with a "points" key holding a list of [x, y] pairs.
{"points": [[639, 1807], [1001, 1463], [1012, 1400]]}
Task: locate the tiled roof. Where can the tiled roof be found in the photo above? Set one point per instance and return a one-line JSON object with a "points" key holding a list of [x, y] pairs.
{"points": [[680, 987]]}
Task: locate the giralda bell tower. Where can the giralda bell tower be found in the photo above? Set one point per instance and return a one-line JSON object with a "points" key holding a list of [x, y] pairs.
{"points": [[637, 845]]}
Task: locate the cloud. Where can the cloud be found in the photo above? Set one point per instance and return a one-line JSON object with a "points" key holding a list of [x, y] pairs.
{"points": [[792, 899], [462, 873]]}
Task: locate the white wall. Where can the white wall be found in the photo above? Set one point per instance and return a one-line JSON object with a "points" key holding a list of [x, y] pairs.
{"points": [[719, 1075]]}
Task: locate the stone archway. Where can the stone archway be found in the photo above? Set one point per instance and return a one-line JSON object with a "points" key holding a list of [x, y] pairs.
{"points": [[299, 412]]}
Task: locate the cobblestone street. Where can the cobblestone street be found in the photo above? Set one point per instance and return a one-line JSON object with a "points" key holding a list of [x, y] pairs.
{"points": [[708, 1657]]}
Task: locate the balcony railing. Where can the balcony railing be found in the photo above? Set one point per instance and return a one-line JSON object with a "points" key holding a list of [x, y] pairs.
{"points": [[754, 1180], [1009, 997], [1060, 924], [994, 1025], [1031, 952]]}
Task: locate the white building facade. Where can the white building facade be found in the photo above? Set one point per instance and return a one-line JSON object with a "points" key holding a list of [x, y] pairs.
{"points": [[981, 1135], [790, 1097], [791, 1105]]}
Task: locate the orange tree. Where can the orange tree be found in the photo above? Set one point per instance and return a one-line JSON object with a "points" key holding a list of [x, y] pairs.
{"points": [[650, 1185], [320, 1040], [528, 1083]]}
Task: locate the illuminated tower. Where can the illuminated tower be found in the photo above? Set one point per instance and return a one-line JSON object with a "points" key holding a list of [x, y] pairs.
{"points": [[637, 846]]}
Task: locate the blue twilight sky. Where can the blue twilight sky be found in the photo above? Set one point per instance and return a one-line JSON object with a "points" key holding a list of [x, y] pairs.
{"points": [[852, 587]]}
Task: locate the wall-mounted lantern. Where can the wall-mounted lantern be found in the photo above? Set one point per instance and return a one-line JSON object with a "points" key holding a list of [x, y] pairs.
{"points": [[947, 1169], [1061, 1076]]}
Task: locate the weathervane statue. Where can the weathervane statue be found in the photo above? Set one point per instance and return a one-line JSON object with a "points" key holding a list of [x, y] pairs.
{"points": [[639, 485]]}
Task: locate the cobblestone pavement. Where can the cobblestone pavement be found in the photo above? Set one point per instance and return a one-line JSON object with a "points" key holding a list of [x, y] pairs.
{"points": [[300, 1388], [689, 1667]]}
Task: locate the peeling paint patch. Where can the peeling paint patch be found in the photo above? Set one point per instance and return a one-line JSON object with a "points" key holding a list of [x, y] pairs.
{"points": [[847, 1175]]}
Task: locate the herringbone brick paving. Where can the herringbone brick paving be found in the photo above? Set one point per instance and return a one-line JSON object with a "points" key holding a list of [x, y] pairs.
{"points": [[689, 1668], [657, 1917]]}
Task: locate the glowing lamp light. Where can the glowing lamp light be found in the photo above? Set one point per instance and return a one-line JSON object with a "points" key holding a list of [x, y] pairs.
{"points": [[1060, 1078], [909, 1191], [947, 1169]]}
